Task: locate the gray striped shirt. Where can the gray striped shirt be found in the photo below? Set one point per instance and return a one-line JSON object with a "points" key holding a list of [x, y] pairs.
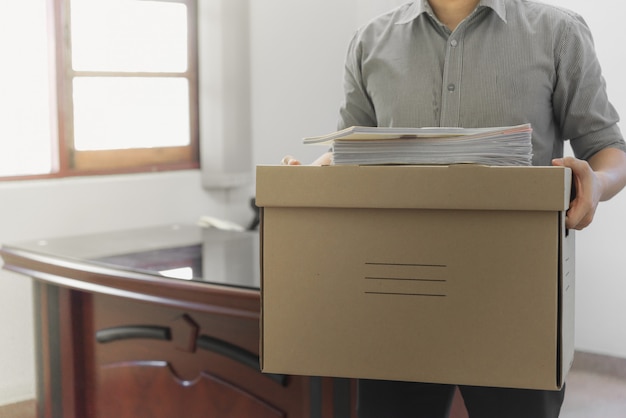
{"points": [[509, 62]]}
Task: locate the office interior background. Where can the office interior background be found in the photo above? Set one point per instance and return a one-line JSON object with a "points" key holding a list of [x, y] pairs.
{"points": [[296, 52]]}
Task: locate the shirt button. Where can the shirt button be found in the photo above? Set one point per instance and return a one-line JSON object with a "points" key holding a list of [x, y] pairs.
{"points": [[451, 87], [454, 42]]}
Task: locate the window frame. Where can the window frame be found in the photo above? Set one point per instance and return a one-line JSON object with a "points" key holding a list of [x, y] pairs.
{"points": [[68, 162]]}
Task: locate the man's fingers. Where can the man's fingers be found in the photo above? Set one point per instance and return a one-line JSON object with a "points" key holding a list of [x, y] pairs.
{"points": [[582, 209], [289, 160]]}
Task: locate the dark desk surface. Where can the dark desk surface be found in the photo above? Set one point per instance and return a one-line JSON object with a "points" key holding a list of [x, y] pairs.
{"points": [[179, 252]]}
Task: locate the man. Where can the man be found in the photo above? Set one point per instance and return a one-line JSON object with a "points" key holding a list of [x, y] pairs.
{"points": [[481, 63]]}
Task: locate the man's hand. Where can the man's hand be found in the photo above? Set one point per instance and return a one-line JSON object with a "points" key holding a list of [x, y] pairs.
{"points": [[594, 181], [324, 159], [289, 160], [587, 186]]}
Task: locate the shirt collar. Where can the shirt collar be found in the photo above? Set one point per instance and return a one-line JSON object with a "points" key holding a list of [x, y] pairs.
{"points": [[419, 7]]}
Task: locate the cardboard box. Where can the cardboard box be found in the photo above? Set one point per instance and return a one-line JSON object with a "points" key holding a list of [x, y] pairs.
{"points": [[448, 274]]}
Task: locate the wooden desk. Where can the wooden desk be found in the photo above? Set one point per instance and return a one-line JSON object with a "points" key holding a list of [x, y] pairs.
{"points": [[118, 338]]}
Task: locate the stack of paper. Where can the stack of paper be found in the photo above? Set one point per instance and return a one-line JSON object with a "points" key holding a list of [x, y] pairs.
{"points": [[508, 145]]}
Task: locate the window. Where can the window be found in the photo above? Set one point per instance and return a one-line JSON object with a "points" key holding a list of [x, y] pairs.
{"points": [[25, 108], [125, 87]]}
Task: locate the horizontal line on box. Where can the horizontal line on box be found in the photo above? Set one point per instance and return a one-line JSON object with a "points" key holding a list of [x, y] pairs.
{"points": [[405, 294], [406, 264], [406, 279]]}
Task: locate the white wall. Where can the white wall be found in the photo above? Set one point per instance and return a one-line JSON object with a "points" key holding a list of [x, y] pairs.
{"points": [[297, 60], [298, 51]]}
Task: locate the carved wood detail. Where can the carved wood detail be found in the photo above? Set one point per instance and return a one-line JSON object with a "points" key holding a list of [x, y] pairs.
{"points": [[137, 389]]}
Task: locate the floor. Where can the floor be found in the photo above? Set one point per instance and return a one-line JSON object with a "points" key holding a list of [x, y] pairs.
{"points": [[18, 410], [594, 395], [596, 388]]}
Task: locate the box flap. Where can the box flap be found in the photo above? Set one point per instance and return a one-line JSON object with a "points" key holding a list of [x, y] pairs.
{"points": [[463, 186]]}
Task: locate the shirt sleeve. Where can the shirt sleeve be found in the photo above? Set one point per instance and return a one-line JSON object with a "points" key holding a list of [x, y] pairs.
{"points": [[357, 108], [581, 106]]}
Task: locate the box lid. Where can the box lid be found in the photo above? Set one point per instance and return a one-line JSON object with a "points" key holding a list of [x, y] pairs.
{"points": [[463, 186]]}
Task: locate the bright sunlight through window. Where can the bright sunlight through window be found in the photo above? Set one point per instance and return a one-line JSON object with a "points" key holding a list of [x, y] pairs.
{"points": [[129, 36], [25, 105], [119, 78]]}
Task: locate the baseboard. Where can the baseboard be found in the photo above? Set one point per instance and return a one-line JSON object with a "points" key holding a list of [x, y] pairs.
{"points": [[600, 363], [16, 392], [24, 409]]}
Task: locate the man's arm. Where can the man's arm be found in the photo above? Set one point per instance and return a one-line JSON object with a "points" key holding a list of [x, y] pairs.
{"points": [[596, 180]]}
